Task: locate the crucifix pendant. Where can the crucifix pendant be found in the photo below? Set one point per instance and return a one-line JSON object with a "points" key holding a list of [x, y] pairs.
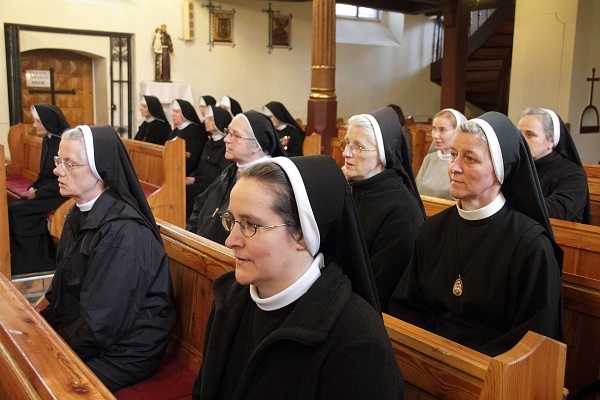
{"points": [[457, 289]]}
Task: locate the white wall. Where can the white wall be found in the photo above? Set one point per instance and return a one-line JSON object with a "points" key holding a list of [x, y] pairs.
{"points": [[367, 76], [555, 48]]}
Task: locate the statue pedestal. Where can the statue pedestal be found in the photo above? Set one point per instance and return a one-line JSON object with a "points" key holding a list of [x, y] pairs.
{"points": [[166, 92]]}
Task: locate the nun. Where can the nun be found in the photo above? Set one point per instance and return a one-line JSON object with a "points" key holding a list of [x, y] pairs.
{"points": [[378, 167], [111, 298], [250, 138], [188, 127], [230, 104], [561, 174], [155, 128], [432, 178], [212, 161], [288, 130], [203, 103], [299, 317], [487, 270], [32, 248]]}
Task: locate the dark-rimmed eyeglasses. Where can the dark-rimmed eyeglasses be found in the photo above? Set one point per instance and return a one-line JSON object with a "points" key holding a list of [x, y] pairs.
{"points": [[67, 165], [235, 135], [247, 228], [354, 148]]}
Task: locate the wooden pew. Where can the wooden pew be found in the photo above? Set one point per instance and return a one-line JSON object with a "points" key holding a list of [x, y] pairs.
{"points": [[421, 141], [161, 172], [24, 163], [581, 294], [435, 367], [593, 174], [35, 363], [4, 235], [312, 145], [439, 366]]}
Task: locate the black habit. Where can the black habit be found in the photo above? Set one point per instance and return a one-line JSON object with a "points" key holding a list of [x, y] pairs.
{"points": [[32, 248]]}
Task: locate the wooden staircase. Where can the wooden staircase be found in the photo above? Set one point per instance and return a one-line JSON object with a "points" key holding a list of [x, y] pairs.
{"points": [[489, 61]]}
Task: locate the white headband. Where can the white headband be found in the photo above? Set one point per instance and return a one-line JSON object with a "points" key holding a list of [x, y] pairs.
{"points": [[555, 126], [201, 102], [460, 118], [378, 136], [88, 141], [308, 224], [225, 102], [494, 145]]}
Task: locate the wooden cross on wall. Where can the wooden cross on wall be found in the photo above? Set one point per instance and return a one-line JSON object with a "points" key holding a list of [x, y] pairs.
{"points": [[52, 91]]}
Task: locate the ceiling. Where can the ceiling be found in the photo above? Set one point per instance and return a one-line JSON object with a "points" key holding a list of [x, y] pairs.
{"points": [[420, 6]]}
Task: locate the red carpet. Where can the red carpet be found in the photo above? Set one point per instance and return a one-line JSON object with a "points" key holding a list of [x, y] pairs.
{"points": [[172, 380]]}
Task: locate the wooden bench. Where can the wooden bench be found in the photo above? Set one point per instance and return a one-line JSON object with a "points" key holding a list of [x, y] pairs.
{"points": [[593, 174], [421, 141], [4, 235], [581, 294], [312, 145], [24, 163], [161, 172]]}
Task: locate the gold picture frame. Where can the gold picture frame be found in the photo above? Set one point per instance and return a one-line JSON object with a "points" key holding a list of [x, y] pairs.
{"points": [[222, 27], [281, 31]]}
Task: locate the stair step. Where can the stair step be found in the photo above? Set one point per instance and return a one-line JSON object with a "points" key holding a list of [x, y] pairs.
{"points": [[485, 64], [500, 41], [483, 76], [475, 87], [492, 52]]}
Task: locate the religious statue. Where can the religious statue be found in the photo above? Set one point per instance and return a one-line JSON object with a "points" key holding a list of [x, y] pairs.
{"points": [[163, 49]]}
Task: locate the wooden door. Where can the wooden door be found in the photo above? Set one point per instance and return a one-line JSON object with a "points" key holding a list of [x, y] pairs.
{"points": [[72, 71]]}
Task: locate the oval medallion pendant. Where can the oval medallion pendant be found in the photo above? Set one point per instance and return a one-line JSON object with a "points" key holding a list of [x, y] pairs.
{"points": [[457, 289]]}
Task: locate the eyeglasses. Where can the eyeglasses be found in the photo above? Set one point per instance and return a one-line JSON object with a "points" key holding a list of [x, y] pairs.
{"points": [[441, 130], [354, 148], [235, 135], [67, 165], [247, 228]]}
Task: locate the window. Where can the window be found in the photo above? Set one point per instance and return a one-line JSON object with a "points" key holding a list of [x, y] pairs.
{"points": [[346, 11]]}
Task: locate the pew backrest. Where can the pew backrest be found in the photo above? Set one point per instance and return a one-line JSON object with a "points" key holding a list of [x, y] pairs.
{"points": [[593, 175], [312, 145], [4, 235], [161, 172]]}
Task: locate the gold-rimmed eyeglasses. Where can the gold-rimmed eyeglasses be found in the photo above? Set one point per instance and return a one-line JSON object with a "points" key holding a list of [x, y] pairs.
{"points": [[247, 228], [235, 135], [354, 148], [67, 165]]}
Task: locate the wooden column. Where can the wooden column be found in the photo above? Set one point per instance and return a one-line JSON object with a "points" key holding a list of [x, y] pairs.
{"points": [[454, 63], [4, 236], [322, 103]]}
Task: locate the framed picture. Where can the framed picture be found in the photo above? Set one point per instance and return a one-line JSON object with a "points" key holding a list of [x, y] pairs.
{"points": [[281, 30], [222, 27]]}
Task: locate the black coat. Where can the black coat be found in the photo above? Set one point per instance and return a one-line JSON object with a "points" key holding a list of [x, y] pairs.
{"points": [[195, 137], [564, 185], [211, 165], [154, 132], [390, 218], [111, 298], [32, 249], [291, 140], [210, 205], [332, 345]]}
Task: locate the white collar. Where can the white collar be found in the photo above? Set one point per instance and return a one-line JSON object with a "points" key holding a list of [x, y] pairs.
{"points": [[281, 127], [292, 292], [483, 212], [444, 157], [217, 137], [150, 119], [85, 207], [184, 125], [242, 167]]}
